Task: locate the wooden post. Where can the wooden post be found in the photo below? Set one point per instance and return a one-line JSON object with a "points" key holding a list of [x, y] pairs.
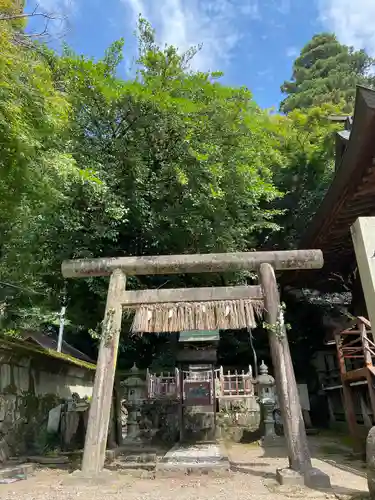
{"points": [[100, 408], [331, 410], [118, 409], [351, 418], [177, 379], [181, 404], [369, 365], [111, 436], [213, 402], [367, 421], [365, 344], [148, 384], [287, 392]]}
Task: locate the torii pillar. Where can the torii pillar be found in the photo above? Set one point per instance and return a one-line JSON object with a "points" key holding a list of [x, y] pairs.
{"points": [[263, 262]]}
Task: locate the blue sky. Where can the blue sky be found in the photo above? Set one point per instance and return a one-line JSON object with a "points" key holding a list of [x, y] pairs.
{"points": [[253, 42]]}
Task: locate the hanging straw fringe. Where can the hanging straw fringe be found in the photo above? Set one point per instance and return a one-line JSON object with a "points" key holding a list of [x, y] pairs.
{"points": [[182, 316]]}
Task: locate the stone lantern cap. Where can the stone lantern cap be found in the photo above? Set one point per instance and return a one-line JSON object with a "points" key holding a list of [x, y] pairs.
{"points": [[264, 378], [134, 380]]}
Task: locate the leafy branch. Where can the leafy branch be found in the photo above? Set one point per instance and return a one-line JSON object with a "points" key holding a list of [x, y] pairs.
{"points": [[279, 327]]}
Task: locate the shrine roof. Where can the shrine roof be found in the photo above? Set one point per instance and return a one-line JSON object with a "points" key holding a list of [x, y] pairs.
{"points": [[350, 195]]}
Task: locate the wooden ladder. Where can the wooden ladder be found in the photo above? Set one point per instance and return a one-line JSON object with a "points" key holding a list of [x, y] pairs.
{"points": [[354, 343]]}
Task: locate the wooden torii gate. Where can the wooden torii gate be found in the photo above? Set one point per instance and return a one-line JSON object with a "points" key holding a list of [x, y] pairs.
{"points": [[265, 263]]}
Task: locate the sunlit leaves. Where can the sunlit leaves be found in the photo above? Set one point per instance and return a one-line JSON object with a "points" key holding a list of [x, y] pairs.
{"points": [[327, 72], [182, 163]]}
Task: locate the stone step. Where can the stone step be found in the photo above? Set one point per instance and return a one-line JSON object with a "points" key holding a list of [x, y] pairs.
{"points": [[19, 470], [122, 465], [43, 460], [194, 459], [139, 458], [168, 470], [126, 450]]}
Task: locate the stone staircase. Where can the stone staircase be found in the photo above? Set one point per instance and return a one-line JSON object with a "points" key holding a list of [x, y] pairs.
{"points": [[197, 459]]}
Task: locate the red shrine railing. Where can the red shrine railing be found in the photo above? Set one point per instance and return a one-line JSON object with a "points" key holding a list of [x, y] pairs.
{"points": [[231, 383]]}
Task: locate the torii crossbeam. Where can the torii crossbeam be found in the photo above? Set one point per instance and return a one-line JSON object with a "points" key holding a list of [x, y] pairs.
{"points": [[262, 262]]}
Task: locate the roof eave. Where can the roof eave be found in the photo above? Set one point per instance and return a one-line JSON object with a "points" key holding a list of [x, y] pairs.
{"points": [[363, 116]]}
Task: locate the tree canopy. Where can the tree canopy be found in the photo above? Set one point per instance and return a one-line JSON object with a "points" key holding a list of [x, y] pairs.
{"points": [[170, 161], [327, 72]]}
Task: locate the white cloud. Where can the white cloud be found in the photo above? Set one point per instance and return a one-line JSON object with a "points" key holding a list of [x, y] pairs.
{"points": [[283, 6], [218, 25], [58, 7], [251, 9], [352, 22], [266, 74], [292, 52]]}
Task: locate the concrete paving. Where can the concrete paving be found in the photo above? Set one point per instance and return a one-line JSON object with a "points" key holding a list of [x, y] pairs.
{"points": [[262, 464], [203, 458]]}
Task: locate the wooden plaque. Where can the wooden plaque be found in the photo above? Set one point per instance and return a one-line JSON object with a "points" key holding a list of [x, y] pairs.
{"points": [[197, 393]]}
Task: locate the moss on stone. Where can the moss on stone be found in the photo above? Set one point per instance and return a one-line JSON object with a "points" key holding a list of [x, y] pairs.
{"points": [[23, 346]]}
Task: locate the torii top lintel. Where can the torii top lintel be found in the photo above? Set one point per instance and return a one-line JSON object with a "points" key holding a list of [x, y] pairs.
{"points": [[193, 263]]}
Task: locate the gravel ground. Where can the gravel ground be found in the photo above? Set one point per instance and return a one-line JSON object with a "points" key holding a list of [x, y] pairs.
{"points": [[254, 480], [51, 485]]}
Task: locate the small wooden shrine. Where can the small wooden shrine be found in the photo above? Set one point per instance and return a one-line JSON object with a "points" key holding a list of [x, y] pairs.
{"points": [[196, 360]]}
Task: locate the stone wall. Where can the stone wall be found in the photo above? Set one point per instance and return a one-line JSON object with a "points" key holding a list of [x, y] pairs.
{"points": [[239, 418], [32, 382], [159, 420]]}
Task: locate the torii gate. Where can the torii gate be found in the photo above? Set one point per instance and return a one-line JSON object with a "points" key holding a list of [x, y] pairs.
{"points": [[265, 263]]}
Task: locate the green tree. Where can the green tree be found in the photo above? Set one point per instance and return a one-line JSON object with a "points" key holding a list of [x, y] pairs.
{"points": [[306, 145], [37, 169], [185, 165], [326, 72]]}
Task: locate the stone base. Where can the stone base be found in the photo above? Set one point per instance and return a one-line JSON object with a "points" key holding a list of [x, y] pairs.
{"points": [[61, 460], [197, 459], [167, 470], [103, 477], [313, 478], [23, 470], [317, 479], [289, 477], [129, 447]]}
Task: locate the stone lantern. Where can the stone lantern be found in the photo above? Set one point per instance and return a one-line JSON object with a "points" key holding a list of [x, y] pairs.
{"points": [[267, 400], [135, 394]]}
